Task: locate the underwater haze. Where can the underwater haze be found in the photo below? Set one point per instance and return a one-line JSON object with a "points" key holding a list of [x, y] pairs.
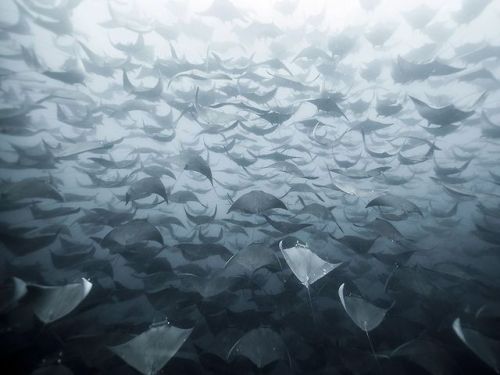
{"points": [[249, 187]]}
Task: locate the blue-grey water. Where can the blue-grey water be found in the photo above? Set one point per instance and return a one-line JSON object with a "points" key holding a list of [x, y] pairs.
{"points": [[249, 187]]}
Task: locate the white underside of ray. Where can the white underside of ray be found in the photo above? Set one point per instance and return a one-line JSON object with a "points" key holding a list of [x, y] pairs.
{"points": [[365, 315], [306, 265], [54, 302], [479, 344], [152, 349]]}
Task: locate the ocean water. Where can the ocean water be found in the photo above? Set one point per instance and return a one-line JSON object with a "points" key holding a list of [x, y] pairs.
{"points": [[249, 187]]}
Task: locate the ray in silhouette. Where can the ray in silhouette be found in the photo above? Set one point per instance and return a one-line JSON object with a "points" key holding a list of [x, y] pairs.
{"points": [[262, 346], [194, 162], [256, 202], [144, 188], [442, 115]]}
